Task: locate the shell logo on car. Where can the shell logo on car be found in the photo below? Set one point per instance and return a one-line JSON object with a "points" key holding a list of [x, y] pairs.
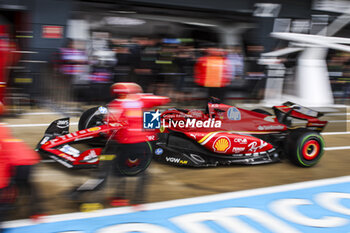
{"points": [[222, 144], [94, 129]]}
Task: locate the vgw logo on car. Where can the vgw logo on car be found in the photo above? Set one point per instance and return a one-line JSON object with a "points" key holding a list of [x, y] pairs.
{"points": [[151, 120]]}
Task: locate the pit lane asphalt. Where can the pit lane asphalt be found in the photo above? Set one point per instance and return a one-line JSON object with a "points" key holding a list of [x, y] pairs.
{"points": [[168, 182]]}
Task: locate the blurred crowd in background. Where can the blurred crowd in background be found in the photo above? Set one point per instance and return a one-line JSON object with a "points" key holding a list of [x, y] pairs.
{"points": [[165, 66], [83, 71], [76, 57]]}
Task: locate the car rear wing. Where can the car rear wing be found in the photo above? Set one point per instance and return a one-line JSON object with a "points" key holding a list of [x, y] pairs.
{"points": [[289, 110], [303, 110]]}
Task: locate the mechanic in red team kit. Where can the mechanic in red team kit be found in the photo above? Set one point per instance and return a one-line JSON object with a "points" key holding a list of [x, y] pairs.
{"points": [[16, 165], [7, 191], [131, 144], [23, 159]]}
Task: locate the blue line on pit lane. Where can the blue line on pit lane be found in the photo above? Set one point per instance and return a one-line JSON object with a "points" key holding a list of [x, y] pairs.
{"points": [[321, 208]]}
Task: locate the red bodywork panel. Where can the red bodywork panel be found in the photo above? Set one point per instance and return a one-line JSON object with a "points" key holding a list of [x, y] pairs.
{"points": [[230, 143], [232, 119], [229, 128]]}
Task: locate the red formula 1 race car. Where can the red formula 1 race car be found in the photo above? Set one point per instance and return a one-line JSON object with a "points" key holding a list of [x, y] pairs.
{"points": [[220, 135], [224, 135]]}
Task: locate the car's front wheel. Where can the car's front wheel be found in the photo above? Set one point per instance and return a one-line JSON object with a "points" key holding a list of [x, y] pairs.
{"points": [[92, 117]]}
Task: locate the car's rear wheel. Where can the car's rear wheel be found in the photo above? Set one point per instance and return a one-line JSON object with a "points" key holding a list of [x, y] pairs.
{"points": [[305, 147]]}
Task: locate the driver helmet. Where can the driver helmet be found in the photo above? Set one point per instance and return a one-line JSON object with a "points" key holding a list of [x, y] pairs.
{"points": [[121, 90]]}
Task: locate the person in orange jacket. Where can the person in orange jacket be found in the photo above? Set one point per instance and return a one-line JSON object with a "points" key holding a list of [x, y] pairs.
{"points": [[132, 144], [213, 72]]}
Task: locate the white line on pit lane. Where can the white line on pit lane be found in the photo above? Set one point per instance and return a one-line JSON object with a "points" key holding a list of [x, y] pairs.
{"points": [[334, 133], [337, 121], [331, 121], [337, 148], [46, 113], [35, 125], [338, 114]]}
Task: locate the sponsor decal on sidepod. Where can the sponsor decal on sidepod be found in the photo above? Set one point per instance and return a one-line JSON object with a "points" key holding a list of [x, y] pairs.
{"points": [[254, 145], [221, 144], [241, 140], [238, 150]]}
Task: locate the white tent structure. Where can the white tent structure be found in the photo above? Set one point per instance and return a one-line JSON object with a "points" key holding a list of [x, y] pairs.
{"points": [[312, 85], [312, 81]]}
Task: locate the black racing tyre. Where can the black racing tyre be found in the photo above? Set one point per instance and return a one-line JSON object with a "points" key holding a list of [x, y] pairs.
{"points": [[258, 110], [90, 118], [305, 147], [132, 159]]}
